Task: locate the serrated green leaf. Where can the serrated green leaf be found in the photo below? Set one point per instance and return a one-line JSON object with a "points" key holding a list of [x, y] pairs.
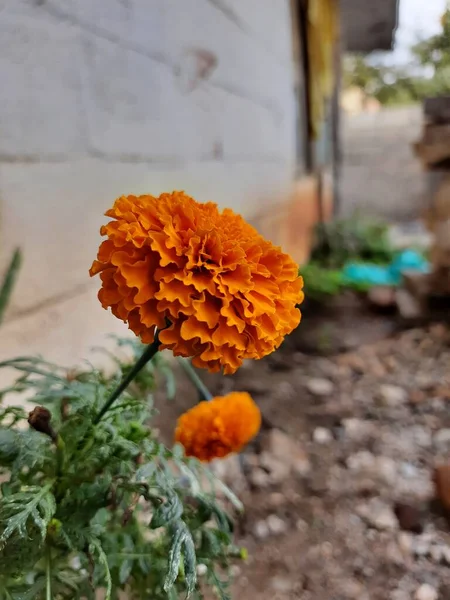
{"points": [[146, 471], [179, 536], [96, 548], [167, 512], [32, 506], [190, 564], [125, 570], [8, 446]]}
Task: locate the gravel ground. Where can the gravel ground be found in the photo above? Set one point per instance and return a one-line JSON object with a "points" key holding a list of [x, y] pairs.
{"points": [[339, 485]]}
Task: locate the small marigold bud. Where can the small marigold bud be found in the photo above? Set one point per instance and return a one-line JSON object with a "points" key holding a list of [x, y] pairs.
{"points": [[39, 419], [216, 428]]}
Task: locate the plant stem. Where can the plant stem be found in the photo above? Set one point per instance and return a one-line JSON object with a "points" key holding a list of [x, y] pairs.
{"points": [[147, 356], [60, 454], [192, 374], [48, 575], [9, 281]]}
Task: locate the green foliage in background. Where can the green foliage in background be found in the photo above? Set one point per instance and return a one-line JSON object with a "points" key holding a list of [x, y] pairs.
{"points": [[352, 239], [337, 243], [85, 507], [427, 75]]}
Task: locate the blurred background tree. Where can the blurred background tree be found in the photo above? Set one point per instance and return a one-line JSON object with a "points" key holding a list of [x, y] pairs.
{"points": [[428, 73]]}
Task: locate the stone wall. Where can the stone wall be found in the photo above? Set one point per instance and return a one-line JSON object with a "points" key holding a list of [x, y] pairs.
{"points": [[128, 96]]}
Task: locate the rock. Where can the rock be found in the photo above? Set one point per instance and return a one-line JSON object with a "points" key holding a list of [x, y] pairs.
{"points": [[382, 296], [283, 455], [261, 530], [285, 391], [276, 525], [320, 387], [409, 517], [426, 592], [260, 478], [322, 435], [441, 478], [229, 470], [277, 470], [442, 437], [381, 467], [277, 499], [417, 397], [281, 584], [399, 595], [358, 430], [235, 571], [392, 395], [409, 307], [379, 515], [406, 543], [386, 469], [301, 525]]}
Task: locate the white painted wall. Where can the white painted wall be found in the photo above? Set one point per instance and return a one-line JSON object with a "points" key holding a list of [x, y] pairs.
{"points": [[104, 97]]}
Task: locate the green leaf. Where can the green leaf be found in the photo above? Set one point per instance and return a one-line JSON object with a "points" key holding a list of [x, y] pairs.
{"points": [[146, 471], [16, 511], [125, 570], [8, 446], [9, 281], [190, 564], [179, 537], [167, 512], [96, 548]]}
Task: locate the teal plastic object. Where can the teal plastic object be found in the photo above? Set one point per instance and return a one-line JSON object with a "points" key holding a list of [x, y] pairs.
{"points": [[371, 275], [408, 260]]}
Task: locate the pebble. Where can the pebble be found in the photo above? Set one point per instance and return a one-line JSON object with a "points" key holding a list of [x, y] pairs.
{"points": [[426, 592], [322, 435], [276, 525], [281, 584], [261, 530], [283, 455], [379, 515], [442, 437], [392, 395], [320, 387], [357, 430], [260, 478]]}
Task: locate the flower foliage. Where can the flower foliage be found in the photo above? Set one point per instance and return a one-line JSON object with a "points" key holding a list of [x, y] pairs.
{"points": [[216, 428], [85, 507], [227, 293]]}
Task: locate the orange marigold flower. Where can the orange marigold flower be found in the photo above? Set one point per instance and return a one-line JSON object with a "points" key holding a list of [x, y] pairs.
{"points": [[216, 428], [228, 293]]}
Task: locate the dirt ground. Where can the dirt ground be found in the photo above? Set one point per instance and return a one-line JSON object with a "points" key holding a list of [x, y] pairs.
{"points": [[338, 487]]}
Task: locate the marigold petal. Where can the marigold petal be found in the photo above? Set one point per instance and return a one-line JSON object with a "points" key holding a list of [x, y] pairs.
{"points": [[229, 294], [219, 427]]}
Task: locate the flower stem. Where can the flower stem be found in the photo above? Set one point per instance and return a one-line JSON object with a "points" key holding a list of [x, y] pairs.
{"points": [[60, 454], [146, 357], [48, 574], [192, 374]]}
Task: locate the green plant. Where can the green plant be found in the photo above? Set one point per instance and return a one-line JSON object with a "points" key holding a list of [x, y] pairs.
{"points": [[9, 280], [354, 239], [91, 503], [319, 282]]}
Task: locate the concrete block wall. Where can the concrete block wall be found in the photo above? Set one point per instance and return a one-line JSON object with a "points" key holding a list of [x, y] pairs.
{"points": [[128, 96], [380, 174]]}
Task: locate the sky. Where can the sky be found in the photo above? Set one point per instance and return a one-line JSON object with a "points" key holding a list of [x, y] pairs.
{"points": [[417, 19]]}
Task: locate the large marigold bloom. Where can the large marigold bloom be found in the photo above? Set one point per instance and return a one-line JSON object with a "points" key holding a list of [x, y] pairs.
{"points": [[216, 428], [227, 292]]}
